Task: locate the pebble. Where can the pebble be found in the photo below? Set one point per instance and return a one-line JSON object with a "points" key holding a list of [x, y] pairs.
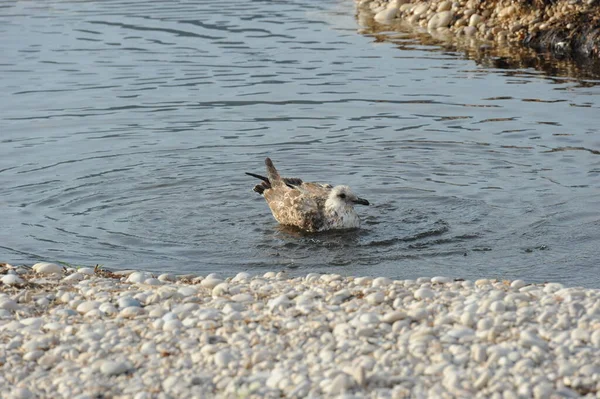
{"points": [[88, 271], [280, 336], [110, 367], [424, 293], [12, 279], [125, 302], [393, 317], [499, 21], [47, 268]]}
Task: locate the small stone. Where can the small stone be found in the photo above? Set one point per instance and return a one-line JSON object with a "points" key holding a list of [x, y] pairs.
{"points": [[88, 271], [210, 282], [497, 307], [368, 318], [242, 298], [47, 268], [86, 306], [187, 291], [137, 277], [418, 314], [223, 358], [543, 390], [241, 276], [439, 20], [125, 302], [340, 384], [110, 367], [220, 289], [392, 317], [375, 298], [441, 280], [475, 20], [424, 293], [381, 282], [167, 277], [281, 301], [12, 279], [131, 311], [73, 278], [21, 393], [172, 325], [595, 338], [517, 284]]}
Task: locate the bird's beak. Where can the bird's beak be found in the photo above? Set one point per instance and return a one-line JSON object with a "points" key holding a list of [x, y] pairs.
{"points": [[361, 201]]}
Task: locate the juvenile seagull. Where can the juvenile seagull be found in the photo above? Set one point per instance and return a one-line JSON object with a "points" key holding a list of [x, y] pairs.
{"points": [[309, 206]]}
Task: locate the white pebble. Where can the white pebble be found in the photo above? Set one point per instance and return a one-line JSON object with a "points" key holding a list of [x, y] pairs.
{"points": [[441, 280], [88, 271], [517, 284], [375, 298], [86, 306], [392, 317], [424, 293], [127, 301], [211, 282], [12, 279], [110, 367], [47, 268], [167, 277], [381, 282], [223, 358]]}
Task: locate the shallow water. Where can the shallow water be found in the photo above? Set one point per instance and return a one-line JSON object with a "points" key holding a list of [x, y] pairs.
{"points": [[126, 128]]}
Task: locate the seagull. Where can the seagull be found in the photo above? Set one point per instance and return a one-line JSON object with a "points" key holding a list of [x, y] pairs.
{"points": [[311, 207]]}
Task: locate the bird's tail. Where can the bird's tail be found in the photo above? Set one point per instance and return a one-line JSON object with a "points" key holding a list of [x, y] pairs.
{"points": [[274, 177]]}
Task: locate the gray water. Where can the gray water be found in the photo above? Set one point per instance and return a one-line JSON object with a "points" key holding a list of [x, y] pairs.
{"points": [[126, 126]]}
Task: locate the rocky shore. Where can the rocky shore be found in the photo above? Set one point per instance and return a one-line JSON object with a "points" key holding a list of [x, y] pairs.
{"points": [[563, 27], [89, 333]]}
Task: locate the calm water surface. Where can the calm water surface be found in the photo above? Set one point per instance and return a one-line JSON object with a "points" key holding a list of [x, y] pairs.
{"points": [[126, 126]]}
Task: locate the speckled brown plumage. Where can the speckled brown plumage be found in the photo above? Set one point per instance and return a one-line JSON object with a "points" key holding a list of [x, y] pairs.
{"points": [[308, 206]]}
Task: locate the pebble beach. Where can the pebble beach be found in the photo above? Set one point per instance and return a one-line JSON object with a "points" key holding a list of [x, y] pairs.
{"points": [[91, 333], [560, 26]]}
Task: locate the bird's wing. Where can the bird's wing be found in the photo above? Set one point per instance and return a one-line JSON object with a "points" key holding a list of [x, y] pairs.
{"points": [[295, 206]]}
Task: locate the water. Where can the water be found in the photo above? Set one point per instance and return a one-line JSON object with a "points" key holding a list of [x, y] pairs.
{"points": [[126, 126]]}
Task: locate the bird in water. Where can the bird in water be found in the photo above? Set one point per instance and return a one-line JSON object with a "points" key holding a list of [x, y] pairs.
{"points": [[311, 207]]}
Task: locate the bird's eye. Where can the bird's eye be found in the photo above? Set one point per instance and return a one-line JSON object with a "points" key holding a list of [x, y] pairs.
{"points": [[342, 195]]}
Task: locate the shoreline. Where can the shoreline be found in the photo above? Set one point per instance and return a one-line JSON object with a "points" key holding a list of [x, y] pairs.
{"points": [[87, 332], [563, 27]]}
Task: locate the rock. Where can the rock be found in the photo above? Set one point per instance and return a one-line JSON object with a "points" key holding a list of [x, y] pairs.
{"points": [[86, 306], [12, 279], [138, 277], [441, 280], [424, 293], [211, 282], [110, 367], [393, 316], [368, 318], [87, 271], [21, 393], [125, 302], [475, 20], [223, 358], [439, 20], [47, 268], [73, 278], [167, 277], [342, 383], [375, 298], [220, 289]]}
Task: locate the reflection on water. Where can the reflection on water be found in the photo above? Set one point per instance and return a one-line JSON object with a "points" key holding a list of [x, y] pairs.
{"points": [[127, 128], [486, 54]]}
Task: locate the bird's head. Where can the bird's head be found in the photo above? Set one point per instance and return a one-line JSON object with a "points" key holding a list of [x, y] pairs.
{"points": [[342, 196]]}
